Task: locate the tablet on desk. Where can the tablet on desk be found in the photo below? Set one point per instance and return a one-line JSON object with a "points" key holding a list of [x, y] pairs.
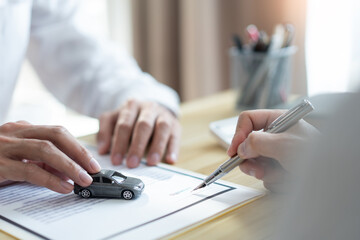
{"points": [[224, 130]]}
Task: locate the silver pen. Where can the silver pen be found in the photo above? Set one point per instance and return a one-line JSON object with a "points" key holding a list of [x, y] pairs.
{"points": [[282, 123]]}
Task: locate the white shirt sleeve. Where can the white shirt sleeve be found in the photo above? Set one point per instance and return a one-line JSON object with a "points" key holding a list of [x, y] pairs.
{"points": [[86, 74]]}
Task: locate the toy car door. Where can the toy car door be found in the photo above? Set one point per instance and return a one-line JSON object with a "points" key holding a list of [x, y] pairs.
{"points": [[109, 188]]}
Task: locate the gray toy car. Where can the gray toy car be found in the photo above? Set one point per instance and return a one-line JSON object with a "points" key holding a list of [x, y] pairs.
{"points": [[111, 184]]}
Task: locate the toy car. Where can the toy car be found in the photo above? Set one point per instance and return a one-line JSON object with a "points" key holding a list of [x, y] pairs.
{"points": [[111, 184]]}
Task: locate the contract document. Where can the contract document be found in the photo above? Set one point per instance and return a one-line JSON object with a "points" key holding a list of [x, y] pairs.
{"points": [[166, 207]]}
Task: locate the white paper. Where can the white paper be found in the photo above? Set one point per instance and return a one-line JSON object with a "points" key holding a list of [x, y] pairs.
{"points": [[166, 206]]}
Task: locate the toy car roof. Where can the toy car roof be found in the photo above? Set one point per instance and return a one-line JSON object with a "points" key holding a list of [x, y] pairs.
{"points": [[106, 173]]}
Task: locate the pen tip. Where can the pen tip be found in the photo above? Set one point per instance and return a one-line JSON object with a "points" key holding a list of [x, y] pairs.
{"points": [[200, 186]]}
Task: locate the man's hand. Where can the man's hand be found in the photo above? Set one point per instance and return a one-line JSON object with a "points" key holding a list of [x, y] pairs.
{"points": [[268, 155], [136, 126], [44, 155]]}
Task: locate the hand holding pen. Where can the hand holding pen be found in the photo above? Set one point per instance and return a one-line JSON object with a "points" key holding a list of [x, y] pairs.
{"points": [[258, 145]]}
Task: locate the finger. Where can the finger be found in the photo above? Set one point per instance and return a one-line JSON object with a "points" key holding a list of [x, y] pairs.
{"points": [[249, 121], [26, 171], [265, 169], [174, 144], [11, 128], [64, 141], [107, 123], [261, 143], [46, 152], [160, 139], [142, 132], [123, 130], [252, 168], [274, 173], [49, 169], [278, 187], [268, 170]]}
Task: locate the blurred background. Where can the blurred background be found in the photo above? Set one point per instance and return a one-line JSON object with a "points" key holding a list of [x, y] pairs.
{"points": [[185, 43]]}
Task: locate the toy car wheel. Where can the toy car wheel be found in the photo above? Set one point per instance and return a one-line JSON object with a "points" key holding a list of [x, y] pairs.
{"points": [[85, 193], [127, 194]]}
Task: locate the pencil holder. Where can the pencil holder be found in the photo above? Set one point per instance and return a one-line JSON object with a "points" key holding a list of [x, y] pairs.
{"points": [[263, 80]]}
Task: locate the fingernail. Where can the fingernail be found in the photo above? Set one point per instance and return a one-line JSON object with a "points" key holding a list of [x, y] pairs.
{"points": [[117, 159], [94, 165], [85, 177], [242, 150], [252, 173], [133, 161], [154, 159], [66, 185], [173, 157]]}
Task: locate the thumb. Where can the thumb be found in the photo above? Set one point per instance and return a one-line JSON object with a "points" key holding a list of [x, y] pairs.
{"points": [[260, 144]]}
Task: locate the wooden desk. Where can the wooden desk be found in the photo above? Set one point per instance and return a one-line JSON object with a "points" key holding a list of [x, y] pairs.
{"points": [[201, 153]]}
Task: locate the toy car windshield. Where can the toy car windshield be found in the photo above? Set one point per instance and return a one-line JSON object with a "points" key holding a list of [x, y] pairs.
{"points": [[119, 178]]}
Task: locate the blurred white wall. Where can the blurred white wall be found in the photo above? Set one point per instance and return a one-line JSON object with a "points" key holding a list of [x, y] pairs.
{"points": [[332, 46], [120, 23]]}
